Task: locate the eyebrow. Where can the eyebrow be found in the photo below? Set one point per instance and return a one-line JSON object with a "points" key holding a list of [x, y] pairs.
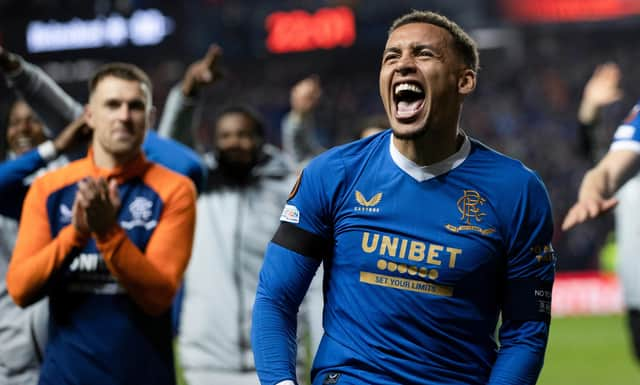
{"points": [[391, 49], [137, 100], [413, 46]]}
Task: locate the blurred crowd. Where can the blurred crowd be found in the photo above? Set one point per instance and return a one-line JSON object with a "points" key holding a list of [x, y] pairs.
{"points": [[525, 105]]}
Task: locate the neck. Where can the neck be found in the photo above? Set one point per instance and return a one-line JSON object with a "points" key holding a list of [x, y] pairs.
{"points": [[106, 160], [430, 148]]}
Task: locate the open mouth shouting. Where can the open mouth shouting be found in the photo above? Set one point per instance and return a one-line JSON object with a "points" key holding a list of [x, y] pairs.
{"points": [[409, 98]]}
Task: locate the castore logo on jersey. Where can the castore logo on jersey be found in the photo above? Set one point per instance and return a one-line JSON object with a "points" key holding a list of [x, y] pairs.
{"points": [[368, 205]]}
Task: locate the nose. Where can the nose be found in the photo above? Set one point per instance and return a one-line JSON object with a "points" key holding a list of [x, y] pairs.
{"points": [[233, 142], [23, 125], [405, 65], [124, 112]]}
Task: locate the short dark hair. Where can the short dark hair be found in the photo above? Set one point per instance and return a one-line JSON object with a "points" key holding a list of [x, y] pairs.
{"points": [[120, 70], [254, 116], [465, 45]]}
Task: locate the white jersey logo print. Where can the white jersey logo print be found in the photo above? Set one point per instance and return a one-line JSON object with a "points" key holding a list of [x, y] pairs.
{"points": [[140, 210], [65, 214]]}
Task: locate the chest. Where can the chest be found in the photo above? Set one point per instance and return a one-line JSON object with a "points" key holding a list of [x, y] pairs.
{"points": [[438, 232], [139, 214]]}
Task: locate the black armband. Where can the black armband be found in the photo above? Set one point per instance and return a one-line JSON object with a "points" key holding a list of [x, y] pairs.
{"points": [[527, 300], [301, 241]]}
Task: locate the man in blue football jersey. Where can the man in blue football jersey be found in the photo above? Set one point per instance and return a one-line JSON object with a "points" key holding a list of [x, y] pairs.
{"points": [[426, 236]]}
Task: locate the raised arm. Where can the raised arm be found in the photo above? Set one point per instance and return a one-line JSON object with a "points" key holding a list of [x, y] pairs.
{"points": [[55, 107], [13, 172], [181, 109], [601, 90]]}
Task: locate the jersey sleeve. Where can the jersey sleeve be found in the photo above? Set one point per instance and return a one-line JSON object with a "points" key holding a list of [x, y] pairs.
{"points": [[530, 266], [306, 222], [526, 302], [303, 239], [627, 135], [12, 174], [284, 279], [37, 256]]}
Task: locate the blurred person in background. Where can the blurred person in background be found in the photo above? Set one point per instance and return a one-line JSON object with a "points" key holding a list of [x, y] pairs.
{"points": [[23, 332], [373, 125], [614, 183], [426, 237], [299, 137], [94, 236], [298, 126], [247, 182]]}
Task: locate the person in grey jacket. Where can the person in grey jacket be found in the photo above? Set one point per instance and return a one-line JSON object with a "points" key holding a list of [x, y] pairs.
{"points": [[238, 213]]}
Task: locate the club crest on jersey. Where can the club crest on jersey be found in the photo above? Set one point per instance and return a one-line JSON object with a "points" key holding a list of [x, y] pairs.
{"points": [[469, 205], [368, 205], [140, 210]]}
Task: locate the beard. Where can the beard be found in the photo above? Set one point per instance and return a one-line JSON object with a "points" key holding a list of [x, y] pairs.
{"points": [[234, 170]]}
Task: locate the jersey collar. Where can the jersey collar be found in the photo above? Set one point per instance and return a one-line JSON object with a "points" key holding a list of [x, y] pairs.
{"points": [[422, 173], [133, 168]]}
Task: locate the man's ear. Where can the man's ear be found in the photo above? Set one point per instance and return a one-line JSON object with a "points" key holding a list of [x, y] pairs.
{"points": [[88, 115], [467, 81]]}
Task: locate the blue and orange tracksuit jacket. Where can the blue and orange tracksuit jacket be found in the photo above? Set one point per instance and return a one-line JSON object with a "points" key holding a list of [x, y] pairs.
{"points": [[110, 296]]}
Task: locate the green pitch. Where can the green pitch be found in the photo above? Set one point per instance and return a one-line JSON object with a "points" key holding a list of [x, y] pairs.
{"points": [[585, 351], [589, 351]]}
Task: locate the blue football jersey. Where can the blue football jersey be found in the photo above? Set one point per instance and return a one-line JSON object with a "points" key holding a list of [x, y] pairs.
{"points": [[420, 261]]}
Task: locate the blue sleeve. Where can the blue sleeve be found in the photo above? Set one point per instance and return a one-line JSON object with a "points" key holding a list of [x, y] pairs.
{"points": [[12, 187], [627, 135], [284, 280], [521, 354], [526, 301], [176, 157]]}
